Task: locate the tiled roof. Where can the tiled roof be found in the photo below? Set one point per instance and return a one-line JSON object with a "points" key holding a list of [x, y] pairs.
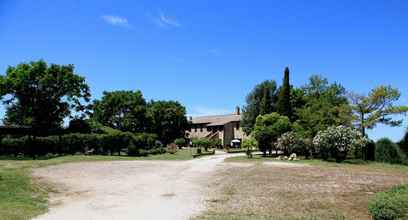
{"points": [[216, 120]]}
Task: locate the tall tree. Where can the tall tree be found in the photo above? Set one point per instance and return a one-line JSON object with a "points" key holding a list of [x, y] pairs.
{"points": [[268, 128], [261, 100], [377, 107], [325, 105], [284, 103], [41, 96], [122, 110], [167, 120]]}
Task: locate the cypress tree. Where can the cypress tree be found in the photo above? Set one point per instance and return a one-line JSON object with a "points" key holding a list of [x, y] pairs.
{"points": [[284, 106]]}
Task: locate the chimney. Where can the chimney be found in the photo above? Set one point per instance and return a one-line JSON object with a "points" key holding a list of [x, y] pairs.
{"points": [[238, 110]]}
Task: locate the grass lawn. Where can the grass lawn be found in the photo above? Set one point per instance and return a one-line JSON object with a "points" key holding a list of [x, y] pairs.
{"points": [[311, 190], [21, 198]]}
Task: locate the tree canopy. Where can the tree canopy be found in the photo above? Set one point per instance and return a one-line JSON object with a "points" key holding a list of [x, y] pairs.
{"points": [[261, 100], [268, 128], [284, 104], [122, 110], [167, 120], [40, 95], [325, 105], [377, 107]]}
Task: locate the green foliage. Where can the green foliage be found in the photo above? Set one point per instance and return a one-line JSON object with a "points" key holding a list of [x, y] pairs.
{"points": [[122, 110], [404, 143], [284, 104], [261, 100], [326, 105], [40, 95], [249, 143], [167, 120], [268, 128], [390, 205], [205, 143], [102, 144], [79, 126], [180, 142], [290, 142], [378, 107], [368, 151], [339, 142], [388, 152]]}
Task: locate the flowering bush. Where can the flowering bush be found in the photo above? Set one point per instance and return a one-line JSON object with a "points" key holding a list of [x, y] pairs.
{"points": [[338, 142], [290, 143]]}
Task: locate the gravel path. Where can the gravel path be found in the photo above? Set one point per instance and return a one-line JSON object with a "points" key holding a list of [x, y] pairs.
{"points": [[129, 189]]}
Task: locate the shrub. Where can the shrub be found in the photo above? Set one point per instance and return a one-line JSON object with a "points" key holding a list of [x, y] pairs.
{"points": [[404, 143], [145, 140], [338, 142], [203, 143], [388, 152], [180, 142], [368, 151], [390, 205], [290, 143]]}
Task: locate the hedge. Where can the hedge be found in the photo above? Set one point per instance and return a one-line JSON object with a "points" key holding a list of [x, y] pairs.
{"points": [[390, 205], [389, 152], [103, 144]]}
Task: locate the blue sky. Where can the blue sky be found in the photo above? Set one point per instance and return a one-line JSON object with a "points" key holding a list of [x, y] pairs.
{"points": [[209, 54]]}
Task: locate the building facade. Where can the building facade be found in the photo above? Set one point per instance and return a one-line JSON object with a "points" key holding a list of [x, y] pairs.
{"points": [[223, 127]]}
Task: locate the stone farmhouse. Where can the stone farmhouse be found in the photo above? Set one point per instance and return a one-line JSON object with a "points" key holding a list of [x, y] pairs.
{"points": [[224, 127]]}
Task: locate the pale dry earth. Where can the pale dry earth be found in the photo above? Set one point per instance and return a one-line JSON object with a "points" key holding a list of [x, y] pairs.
{"points": [[130, 189]]}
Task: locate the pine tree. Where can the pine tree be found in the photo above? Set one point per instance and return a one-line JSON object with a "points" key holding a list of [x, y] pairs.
{"points": [[284, 106]]}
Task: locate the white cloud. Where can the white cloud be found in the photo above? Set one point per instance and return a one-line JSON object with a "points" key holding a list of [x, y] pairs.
{"points": [[205, 111], [164, 21], [116, 20]]}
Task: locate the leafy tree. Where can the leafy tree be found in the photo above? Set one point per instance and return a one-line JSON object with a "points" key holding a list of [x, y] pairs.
{"points": [[122, 110], [297, 101], [41, 96], [378, 107], [77, 125], [404, 143], [261, 100], [268, 128], [326, 105], [167, 120], [284, 104]]}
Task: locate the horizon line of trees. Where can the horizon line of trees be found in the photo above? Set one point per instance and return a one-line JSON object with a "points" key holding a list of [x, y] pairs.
{"points": [[42, 96], [306, 111]]}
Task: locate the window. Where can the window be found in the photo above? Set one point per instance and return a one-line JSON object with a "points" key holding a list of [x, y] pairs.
{"points": [[237, 125]]}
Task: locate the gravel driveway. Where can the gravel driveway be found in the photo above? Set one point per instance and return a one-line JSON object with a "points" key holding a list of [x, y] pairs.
{"points": [[129, 189]]}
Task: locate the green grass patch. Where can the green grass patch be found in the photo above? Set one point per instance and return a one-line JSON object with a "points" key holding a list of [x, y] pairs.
{"points": [[22, 199]]}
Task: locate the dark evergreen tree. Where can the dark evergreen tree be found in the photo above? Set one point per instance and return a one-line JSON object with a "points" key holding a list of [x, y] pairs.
{"points": [[261, 100], [284, 104]]}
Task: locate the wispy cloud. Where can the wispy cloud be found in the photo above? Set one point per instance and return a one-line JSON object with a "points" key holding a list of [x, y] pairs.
{"points": [[165, 21], [204, 111], [116, 20]]}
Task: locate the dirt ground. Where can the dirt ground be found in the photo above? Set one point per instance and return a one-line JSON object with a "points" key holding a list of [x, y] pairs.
{"points": [[129, 189], [209, 188], [277, 190]]}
